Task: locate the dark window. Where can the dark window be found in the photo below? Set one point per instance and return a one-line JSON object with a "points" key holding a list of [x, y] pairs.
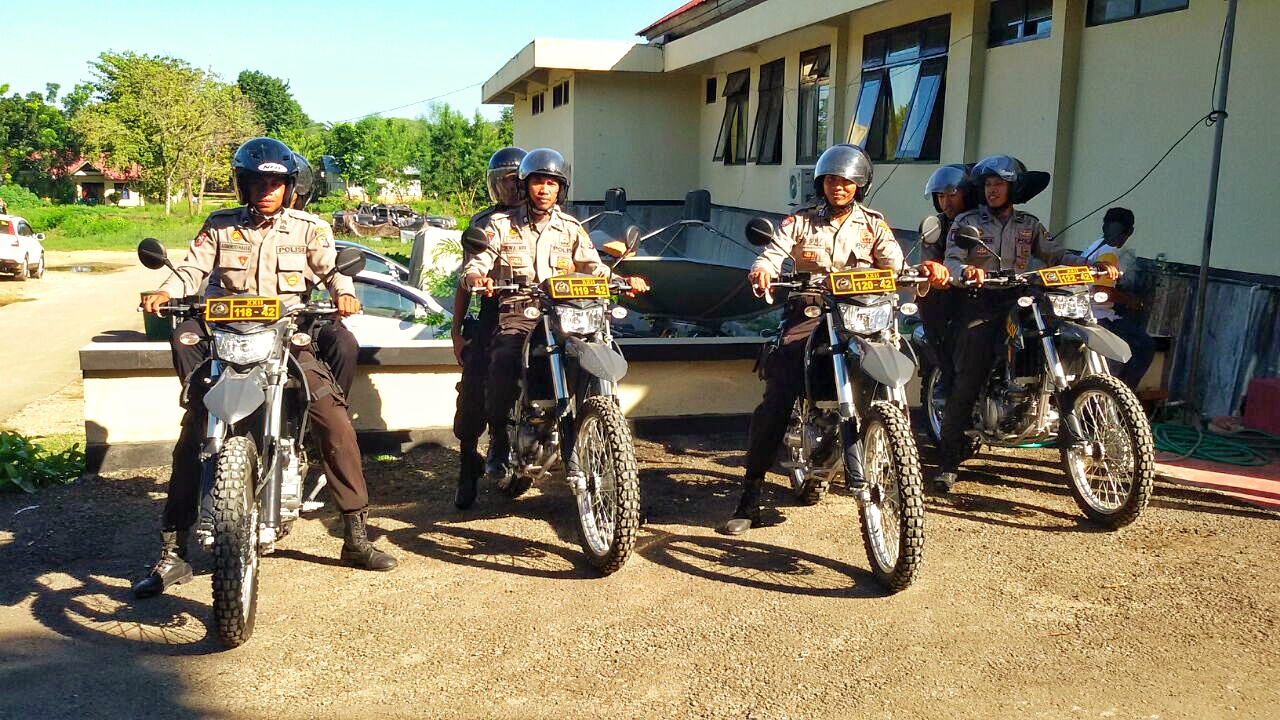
{"points": [[560, 94], [380, 302], [710, 96], [1105, 11], [1017, 20], [732, 145], [537, 102], [814, 104], [899, 110], [766, 136]]}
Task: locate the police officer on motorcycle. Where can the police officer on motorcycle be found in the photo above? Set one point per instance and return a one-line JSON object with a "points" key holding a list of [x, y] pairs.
{"points": [[837, 233], [471, 336], [952, 193], [264, 247], [531, 243], [1016, 237]]}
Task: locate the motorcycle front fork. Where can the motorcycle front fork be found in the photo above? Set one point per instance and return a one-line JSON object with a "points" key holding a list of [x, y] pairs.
{"points": [[850, 442], [1056, 372]]}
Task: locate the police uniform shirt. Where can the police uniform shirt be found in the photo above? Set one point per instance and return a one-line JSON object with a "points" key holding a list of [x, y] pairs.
{"points": [[283, 257], [1016, 239], [818, 244], [480, 220], [533, 254]]}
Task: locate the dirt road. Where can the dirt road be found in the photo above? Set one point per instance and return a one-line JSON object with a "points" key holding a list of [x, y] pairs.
{"points": [[44, 322], [1020, 611]]}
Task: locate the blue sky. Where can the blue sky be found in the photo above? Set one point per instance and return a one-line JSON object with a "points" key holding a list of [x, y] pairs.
{"points": [[342, 59]]}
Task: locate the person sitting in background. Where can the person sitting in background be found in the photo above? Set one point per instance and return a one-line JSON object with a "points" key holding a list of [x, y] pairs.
{"points": [[1117, 228]]}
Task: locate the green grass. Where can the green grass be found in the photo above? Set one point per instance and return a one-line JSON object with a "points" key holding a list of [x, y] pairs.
{"points": [[28, 465], [79, 227]]}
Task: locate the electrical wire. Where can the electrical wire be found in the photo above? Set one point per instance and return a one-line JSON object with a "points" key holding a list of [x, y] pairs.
{"points": [[418, 102]]}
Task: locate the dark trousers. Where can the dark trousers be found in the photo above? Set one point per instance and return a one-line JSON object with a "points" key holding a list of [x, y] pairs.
{"points": [[502, 385], [327, 415], [338, 348], [783, 383], [980, 337], [1140, 344], [470, 417], [940, 313]]}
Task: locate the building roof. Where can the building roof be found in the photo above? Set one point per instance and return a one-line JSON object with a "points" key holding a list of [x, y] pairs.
{"points": [[133, 172], [693, 16], [530, 69], [672, 15]]}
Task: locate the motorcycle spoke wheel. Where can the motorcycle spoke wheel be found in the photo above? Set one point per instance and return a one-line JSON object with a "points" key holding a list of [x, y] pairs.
{"points": [[609, 502], [235, 541], [893, 511], [1111, 465]]}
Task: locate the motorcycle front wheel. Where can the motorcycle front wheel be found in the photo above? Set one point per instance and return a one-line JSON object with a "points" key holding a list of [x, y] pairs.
{"points": [[609, 504], [235, 541], [1112, 465], [893, 509]]}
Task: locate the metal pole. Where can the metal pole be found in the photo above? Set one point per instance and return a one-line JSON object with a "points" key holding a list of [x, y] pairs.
{"points": [[1220, 107]]}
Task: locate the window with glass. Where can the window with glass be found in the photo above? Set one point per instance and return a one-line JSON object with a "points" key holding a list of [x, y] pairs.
{"points": [[814, 104], [898, 116], [537, 103], [380, 302], [732, 144], [709, 96], [1015, 21], [560, 94], [1107, 11], [766, 136]]}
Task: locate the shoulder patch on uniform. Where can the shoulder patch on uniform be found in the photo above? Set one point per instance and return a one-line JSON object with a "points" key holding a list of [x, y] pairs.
{"points": [[201, 239], [787, 221]]}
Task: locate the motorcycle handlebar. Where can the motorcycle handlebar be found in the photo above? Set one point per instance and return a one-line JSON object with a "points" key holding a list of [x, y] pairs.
{"points": [[1023, 278]]}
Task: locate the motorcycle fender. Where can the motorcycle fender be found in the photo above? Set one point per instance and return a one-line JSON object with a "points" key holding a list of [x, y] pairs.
{"points": [[236, 395], [602, 361], [886, 365], [1101, 340]]}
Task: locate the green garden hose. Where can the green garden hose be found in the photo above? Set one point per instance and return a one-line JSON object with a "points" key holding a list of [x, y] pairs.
{"points": [[1247, 447]]}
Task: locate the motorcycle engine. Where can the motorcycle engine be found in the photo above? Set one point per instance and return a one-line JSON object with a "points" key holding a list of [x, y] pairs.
{"points": [[1007, 407], [290, 481]]}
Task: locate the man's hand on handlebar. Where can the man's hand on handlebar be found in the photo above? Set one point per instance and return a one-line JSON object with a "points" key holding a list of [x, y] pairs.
{"points": [[348, 305], [637, 285], [938, 274], [152, 303], [760, 281], [975, 274], [1113, 272], [478, 283]]}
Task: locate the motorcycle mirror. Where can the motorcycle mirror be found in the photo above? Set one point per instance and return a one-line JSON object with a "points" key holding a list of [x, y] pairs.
{"points": [[474, 241], [968, 237], [930, 230], [759, 231], [632, 237], [350, 261], [152, 254]]}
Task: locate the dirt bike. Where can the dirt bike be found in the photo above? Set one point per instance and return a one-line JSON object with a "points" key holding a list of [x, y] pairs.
{"points": [[855, 378], [567, 415], [254, 457], [1053, 385]]}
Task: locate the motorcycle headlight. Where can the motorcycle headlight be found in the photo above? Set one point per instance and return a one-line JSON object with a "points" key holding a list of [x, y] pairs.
{"points": [[1072, 307], [243, 349], [865, 319], [580, 321]]}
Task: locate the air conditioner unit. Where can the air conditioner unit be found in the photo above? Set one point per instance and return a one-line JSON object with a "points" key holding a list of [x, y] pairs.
{"points": [[800, 186]]}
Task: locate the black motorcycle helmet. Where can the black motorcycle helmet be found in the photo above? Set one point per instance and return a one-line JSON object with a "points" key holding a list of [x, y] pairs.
{"points": [[264, 156], [948, 178], [847, 161], [545, 161], [502, 163], [1009, 169], [305, 189]]}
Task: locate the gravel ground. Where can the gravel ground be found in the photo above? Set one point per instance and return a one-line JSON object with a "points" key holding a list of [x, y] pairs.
{"points": [[1021, 609]]}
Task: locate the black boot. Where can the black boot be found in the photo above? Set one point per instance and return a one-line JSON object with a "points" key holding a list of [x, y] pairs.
{"points": [[498, 465], [470, 466], [357, 550], [747, 515], [171, 569]]}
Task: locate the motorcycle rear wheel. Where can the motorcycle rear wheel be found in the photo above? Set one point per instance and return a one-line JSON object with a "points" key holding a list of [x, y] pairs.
{"points": [[609, 507], [235, 541], [933, 400], [1112, 468], [893, 515]]}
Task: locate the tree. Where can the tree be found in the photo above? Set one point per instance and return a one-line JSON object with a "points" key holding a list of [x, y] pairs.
{"points": [[349, 145], [35, 136], [273, 105], [163, 114]]}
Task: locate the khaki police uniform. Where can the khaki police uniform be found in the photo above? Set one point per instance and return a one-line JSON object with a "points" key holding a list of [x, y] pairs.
{"points": [[981, 330], [281, 257], [470, 416], [531, 252], [816, 244]]}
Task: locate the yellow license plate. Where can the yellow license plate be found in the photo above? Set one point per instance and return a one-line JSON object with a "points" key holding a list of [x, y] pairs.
{"points": [[578, 288], [862, 282], [1062, 275], [242, 309]]}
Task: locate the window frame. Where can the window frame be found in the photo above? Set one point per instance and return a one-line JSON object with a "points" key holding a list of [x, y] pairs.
{"points": [[812, 86], [537, 103], [767, 128], [560, 94], [709, 95], [879, 68], [736, 106], [1137, 13], [1046, 23]]}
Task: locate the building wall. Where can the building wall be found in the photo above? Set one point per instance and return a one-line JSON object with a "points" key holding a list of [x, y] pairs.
{"points": [[636, 128], [553, 127]]}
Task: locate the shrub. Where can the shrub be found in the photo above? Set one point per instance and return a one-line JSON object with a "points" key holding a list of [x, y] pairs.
{"points": [[28, 466], [18, 198]]}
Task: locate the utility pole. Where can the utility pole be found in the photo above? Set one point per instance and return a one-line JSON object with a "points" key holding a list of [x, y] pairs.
{"points": [[1219, 127]]}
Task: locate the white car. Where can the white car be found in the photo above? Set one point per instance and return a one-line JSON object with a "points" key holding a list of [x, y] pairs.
{"points": [[21, 253], [376, 262], [394, 314]]}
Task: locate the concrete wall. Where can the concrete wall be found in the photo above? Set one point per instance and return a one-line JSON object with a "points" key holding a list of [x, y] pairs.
{"points": [[553, 127]]}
